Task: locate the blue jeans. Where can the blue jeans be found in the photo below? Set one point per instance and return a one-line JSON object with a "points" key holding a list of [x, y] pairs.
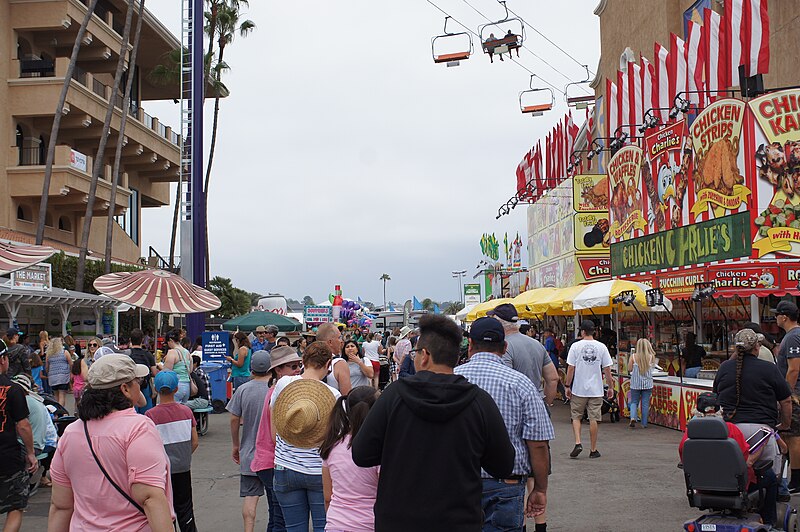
{"points": [[692, 372], [768, 509], [182, 395], [238, 381], [275, 523], [503, 506], [643, 397], [298, 494], [149, 398]]}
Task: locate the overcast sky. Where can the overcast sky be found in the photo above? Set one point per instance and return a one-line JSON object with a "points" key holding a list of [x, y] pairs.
{"points": [[344, 152]]}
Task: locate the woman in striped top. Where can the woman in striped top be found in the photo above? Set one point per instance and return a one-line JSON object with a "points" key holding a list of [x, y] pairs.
{"points": [[640, 366]]}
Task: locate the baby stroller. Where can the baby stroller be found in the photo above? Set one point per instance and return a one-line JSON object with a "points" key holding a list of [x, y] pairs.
{"points": [[611, 407]]}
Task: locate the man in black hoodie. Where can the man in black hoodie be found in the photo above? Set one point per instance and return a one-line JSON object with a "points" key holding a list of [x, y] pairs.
{"points": [[431, 433]]}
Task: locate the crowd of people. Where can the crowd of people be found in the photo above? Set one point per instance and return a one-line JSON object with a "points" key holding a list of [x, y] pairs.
{"points": [[323, 424]]}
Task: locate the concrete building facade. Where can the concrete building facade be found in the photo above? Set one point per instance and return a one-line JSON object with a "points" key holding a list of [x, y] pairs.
{"points": [[36, 39]]}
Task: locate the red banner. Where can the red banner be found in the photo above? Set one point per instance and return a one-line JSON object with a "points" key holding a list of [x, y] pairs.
{"points": [[745, 279], [595, 268]]}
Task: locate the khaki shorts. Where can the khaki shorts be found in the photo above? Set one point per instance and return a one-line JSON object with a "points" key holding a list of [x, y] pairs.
{"points": [[592, 405]]}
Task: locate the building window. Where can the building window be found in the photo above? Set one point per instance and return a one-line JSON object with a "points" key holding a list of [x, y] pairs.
{"points": [[42, 150], [129, 222], [64, 224], [24, 213], [48, 220]]}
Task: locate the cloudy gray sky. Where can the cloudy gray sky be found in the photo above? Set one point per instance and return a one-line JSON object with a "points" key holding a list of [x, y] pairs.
{"points": [[344, 152]]}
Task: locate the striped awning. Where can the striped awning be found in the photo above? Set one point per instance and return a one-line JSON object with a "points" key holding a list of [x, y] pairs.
{"points": [[15, 257], [158, 291]]}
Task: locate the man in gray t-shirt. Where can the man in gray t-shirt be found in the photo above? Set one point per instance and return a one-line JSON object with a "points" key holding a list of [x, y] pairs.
{"points": [[526, 354], [245, 407]]}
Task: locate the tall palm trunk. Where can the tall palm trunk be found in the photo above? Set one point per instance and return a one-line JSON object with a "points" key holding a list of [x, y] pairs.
{"points": [[62, 99], [211, 160], [175, 216], [98, 165], [126, 103]]}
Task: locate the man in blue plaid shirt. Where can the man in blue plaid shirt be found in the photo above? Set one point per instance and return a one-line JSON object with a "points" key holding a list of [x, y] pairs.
{"points": [[528, 426]]}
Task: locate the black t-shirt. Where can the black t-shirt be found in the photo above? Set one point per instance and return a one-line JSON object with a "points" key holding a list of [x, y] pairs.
{"points": [[143, 357], [13, 408], [693, 355], [762, 386]]}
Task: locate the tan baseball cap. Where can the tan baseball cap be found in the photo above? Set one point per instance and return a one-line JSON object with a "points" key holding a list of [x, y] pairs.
{"points": [[113, 370]]}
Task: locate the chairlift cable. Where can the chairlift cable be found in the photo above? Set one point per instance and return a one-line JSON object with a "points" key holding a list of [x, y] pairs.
{"points": [[543, 36], [467, 28], [540, 58]]}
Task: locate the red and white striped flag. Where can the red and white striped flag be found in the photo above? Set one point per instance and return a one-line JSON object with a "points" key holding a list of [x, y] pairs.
{"points": [[649, 95], [537, 169], [755, 37], [624, 99], [716, 59], [548, 160], [636, 96], [677, 67], [733, 37], [612, 108], [572, 139], [661, 84], [589, 126], [695, 63], [523, 170]]}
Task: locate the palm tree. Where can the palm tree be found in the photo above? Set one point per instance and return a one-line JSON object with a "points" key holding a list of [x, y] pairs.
{"points": [[226, 24], [98, 165], [62, 99], [453, 308], [385, 277], [235, 301], [427, 304], [121, 139]]}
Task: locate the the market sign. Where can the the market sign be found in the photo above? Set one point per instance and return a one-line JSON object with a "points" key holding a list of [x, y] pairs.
{"points": [[718, 239], [472, 294], [36, 277], [317, 314]]}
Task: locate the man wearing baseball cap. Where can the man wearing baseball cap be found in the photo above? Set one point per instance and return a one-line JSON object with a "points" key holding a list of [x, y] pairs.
{"points": [[528, 425], [588, 362], [786, 316], [176, 425], [246, 407]]}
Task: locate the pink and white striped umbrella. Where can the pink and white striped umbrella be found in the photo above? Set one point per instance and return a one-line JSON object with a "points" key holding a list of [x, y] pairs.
{"points": [[158, 291], [15, 257]]}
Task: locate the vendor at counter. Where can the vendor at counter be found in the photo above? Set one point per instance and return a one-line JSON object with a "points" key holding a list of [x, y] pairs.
{"points": [[692, 356]]}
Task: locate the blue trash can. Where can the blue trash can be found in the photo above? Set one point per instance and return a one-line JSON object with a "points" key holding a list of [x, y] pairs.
{"points": [[218, 375]]}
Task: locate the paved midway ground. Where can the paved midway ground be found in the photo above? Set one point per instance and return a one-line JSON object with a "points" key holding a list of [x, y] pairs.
{"points": [[635, 485]]}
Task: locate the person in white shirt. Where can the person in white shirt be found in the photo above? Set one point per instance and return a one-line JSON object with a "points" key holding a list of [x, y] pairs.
{"points": [[588, 362], [373, 351]]}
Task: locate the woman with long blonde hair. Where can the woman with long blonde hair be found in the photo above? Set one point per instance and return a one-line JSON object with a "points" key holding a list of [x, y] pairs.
{"points": [[640, 367], [58, 365]]}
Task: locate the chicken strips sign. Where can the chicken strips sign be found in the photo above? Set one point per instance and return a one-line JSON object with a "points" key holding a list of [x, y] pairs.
{"points": [[719, 185]]}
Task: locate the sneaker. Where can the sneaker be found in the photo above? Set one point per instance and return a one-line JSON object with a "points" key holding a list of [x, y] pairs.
{"points": [[632, 424], [784, 497], [644, 426], [594, 454], [576, 451], [794, 489]]}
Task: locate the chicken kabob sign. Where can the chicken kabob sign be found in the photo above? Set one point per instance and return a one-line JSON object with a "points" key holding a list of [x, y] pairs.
{"points": [[719, 185], [777, 159]]}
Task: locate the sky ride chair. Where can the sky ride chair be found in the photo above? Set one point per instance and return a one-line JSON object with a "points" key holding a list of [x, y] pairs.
{"points": [[531, 101], [509, 40], [461, 53]]}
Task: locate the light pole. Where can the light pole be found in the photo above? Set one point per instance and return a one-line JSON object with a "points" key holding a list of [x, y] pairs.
{"points": [[460, 274]]}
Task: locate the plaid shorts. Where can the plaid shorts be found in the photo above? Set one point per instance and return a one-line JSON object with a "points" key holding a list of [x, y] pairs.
{"points": [[14, 492]]}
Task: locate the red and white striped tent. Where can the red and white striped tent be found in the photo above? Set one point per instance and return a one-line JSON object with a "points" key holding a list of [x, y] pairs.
{"points": [[158, 291], [15, 257]]}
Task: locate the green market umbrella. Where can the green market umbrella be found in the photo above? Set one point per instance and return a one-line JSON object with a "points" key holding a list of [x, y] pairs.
{"points": [[249, 322]]}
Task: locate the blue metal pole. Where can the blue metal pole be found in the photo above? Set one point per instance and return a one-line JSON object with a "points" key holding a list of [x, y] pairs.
{"points": [[196, 322]]}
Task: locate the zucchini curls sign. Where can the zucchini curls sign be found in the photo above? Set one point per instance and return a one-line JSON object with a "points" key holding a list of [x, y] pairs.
{"points": [[718, 239]]}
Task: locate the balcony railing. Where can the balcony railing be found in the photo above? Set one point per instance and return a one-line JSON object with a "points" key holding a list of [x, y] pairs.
{"points": [[79, 75], [37, 68], [31, 156], [147, 120], [99, 88]]}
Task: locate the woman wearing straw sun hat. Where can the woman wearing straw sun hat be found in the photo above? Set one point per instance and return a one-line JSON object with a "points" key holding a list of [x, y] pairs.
{"points": [[300, 407]]}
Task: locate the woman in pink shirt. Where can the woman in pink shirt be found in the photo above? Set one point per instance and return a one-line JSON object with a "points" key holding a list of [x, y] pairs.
{"points": [[134, 492], [349, 490], [282, 364]]}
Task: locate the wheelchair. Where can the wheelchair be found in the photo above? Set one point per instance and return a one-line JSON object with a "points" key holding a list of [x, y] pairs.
{"points": [[201, 417], [716, 480]]}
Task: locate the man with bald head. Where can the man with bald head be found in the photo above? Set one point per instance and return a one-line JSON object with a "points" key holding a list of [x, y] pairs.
{"points": [[339, 377]]}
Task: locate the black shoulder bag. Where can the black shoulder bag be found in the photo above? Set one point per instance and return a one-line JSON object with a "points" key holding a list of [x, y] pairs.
{"points": [[105, 473]]}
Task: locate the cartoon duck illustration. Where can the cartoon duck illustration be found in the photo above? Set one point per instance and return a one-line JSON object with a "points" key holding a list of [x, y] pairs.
{"points": [[766, 279], [666, 182]]}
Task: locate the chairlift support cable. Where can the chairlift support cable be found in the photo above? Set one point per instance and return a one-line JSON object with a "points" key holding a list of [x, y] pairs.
{"points": [[529, 71]]}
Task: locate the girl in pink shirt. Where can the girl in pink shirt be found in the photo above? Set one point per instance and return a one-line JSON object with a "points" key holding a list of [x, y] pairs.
{"points": [[349, 490]]}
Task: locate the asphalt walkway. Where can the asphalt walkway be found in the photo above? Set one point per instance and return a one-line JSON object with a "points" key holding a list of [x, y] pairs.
{"points": [[635, 485]]}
